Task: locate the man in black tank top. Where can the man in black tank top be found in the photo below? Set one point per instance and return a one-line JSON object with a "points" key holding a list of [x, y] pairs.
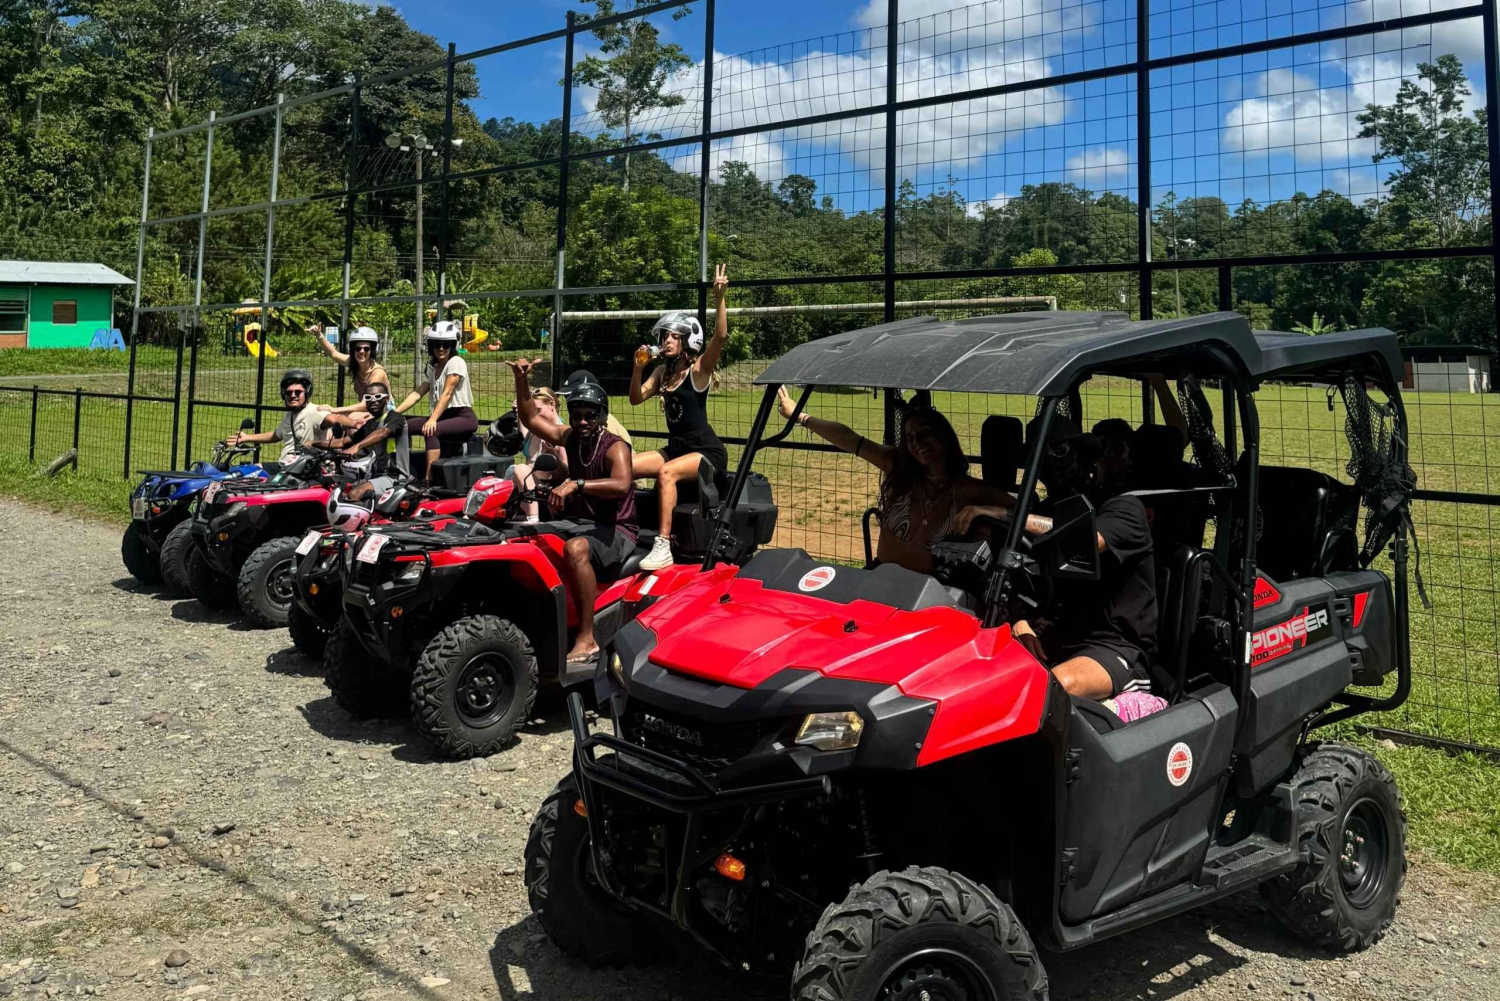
{"points": [[599, 489], [682, 380]]}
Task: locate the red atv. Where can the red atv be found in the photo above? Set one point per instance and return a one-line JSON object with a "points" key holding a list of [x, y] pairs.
{"points": [[246, 535], [318, 557], [460, 623], [860, 778]]}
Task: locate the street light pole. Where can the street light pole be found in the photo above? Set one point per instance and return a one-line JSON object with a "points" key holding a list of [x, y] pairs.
{"points": [[421, 306]]}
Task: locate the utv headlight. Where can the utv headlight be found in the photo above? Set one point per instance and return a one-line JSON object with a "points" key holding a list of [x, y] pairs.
{"points": [[617, 669], [831, 731]]}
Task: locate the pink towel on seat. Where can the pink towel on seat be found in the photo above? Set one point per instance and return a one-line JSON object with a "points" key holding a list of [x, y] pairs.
{"points": [[1131, 706]]}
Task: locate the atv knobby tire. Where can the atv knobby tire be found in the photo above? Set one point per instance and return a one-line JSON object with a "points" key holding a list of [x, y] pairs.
{"points": [[174, 553], [578, 915], [212, 589], [1335, 898], [365, 688], [267, 585], [904, 930], [308, 634], [474, 685], [138, 557]]}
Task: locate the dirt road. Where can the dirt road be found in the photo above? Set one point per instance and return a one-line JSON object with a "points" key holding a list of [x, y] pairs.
{"points": [[173, 782]]}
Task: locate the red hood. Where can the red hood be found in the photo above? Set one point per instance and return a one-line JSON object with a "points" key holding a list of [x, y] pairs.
{"points": [[760, 632], [318, 495]]}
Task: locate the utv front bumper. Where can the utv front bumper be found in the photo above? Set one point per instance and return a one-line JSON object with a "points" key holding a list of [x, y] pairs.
{"points": [[226, 536], [387, 615]]}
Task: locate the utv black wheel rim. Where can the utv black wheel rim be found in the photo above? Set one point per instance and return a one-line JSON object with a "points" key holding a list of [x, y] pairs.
{"points": [[936, 975], [485, 689], [282, 584], [1363, 854]]}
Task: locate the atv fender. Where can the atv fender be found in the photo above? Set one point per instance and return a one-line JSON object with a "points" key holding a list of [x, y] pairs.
{"points": [[531, 567]]}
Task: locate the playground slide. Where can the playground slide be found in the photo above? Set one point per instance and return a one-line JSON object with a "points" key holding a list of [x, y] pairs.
{"points": [[254, 349]]}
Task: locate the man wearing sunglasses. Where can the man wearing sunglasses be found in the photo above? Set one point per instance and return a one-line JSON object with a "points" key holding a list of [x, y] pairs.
{"points": [[369, 445], [599, 489], [302, 424]]}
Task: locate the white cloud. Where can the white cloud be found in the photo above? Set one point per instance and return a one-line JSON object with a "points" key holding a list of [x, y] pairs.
{"points": [[998, 200], [1100, 168]]}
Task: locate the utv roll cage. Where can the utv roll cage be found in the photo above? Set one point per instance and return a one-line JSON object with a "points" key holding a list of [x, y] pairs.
{"points": [[1048, 355]]}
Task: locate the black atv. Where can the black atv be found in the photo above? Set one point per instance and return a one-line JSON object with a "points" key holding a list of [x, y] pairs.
{"points": [[861, 779]]}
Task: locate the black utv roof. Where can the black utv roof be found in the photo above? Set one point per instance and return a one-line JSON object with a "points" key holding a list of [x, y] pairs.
{"points": [[1327, 356], [1035, 354]]}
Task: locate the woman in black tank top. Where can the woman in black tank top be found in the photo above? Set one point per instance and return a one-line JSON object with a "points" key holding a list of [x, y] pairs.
{"points": [[682, 381]]}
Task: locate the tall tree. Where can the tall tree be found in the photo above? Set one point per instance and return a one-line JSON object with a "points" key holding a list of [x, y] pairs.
{"points": [[632, 71]]}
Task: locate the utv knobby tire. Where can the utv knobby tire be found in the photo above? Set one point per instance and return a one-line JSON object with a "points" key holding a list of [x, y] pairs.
{"points": [[267, 584], [174, 553], [577, 914], [361, 685], [1343, 794], [212, 589], [474, 685], [308, 634], [906, 929], [139, 560]]}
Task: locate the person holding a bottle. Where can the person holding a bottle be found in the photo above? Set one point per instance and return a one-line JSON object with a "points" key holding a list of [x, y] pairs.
{"points": [[682, 379]]}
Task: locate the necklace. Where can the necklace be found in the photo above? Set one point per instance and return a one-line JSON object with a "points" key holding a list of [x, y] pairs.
{"points": [[590, 458], [930, 504]]}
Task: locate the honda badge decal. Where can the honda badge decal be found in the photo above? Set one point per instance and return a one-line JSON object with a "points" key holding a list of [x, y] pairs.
{"points": [[816, 579], [1179, 763], [1265, 593]]}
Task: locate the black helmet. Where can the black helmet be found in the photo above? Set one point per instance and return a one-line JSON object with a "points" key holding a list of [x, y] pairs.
{"points": [[297, 375], [581, 376], [503, 438], [588, 392]]}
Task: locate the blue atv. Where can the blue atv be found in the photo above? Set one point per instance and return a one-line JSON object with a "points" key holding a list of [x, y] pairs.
{"points": [[156, 544]]}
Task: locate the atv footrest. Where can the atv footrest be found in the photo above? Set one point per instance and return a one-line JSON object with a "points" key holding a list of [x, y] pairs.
{"points": [[1246, 861]]}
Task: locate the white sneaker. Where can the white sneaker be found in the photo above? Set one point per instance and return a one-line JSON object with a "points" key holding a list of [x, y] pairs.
{"points": [[660, 555]]}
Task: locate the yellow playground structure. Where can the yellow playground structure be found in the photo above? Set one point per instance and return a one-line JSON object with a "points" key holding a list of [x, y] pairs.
{"points": [[250, 333], [473, 335]]}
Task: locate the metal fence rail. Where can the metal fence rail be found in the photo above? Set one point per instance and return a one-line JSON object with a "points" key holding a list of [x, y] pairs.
{"points": [[883, 117]]}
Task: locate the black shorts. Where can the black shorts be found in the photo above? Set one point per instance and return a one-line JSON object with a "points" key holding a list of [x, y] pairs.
{"points": [[609, 547], [713, 451], [1125, 664]]}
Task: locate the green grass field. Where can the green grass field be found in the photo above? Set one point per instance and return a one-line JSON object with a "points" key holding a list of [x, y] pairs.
{"points": [[1454, 801]]}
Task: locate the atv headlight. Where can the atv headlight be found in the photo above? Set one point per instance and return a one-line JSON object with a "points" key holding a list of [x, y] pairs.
{"points": [[617, 669], [409, 569], [831, 731]]}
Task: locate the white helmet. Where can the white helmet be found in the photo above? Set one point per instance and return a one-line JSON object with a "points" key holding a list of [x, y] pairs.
{"points": [[344, 516], [685, 325], [364, 335], [443, 331]]}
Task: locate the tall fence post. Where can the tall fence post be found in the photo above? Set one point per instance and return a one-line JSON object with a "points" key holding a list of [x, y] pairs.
{"points": [[77, 419], [350, 200], [447, 165], [36, 392], [1492, 108], [135, 310], [705, 126], [562, 202], [1143, 155], [176, 398], [892, 72], [208, 169], [265, 281]]}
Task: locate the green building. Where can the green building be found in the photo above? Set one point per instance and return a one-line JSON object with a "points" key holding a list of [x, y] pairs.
{"points": [[56, 304]]}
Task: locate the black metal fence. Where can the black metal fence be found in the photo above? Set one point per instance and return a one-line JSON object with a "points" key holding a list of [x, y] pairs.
{"points": [[1160, 159]]}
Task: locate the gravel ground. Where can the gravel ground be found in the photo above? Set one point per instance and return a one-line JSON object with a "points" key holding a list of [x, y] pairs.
{"points": [[185, 812]]}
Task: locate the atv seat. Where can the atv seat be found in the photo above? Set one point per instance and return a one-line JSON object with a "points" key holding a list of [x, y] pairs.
{"points": [[1186, 631], [1310, 520]]}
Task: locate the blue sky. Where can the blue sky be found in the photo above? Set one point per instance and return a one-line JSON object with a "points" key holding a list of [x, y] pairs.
{"points": [[1260, 127]]}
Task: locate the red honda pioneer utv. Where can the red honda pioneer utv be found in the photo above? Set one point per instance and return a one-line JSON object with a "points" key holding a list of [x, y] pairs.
{"points": [[860, 776], [460, 623]]}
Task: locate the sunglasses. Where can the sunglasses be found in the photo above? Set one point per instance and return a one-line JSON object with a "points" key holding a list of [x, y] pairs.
{"points": [[363, 347], [295, 391], [587, 416], [375, 397]]}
